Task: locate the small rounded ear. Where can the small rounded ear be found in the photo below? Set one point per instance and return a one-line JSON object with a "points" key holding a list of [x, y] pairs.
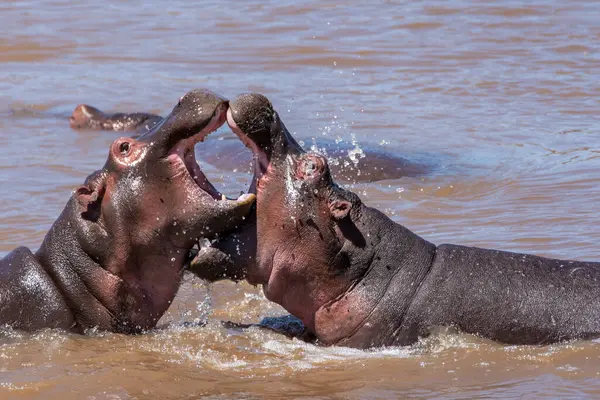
{"points": [[90, 195], [339, 209]]}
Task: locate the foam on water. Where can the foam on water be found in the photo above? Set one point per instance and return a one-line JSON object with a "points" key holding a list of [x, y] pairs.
{"points": [[256, 351]]}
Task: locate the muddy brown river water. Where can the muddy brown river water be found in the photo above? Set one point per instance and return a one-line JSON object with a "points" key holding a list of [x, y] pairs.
{"points": [[500, 98]]}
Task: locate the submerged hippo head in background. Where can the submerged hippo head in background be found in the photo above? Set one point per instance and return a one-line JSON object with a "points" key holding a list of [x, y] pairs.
{"points": [[356, 278], [88, 117], [114, 257]]}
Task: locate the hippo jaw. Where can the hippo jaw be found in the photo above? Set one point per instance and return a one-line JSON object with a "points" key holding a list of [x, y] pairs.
{"points": [[183, 156], [252, 118], [260, 157]]}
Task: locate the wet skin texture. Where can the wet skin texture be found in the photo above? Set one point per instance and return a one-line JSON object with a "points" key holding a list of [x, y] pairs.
{"points": [[376, 164], [113, 259], [356, 278]]}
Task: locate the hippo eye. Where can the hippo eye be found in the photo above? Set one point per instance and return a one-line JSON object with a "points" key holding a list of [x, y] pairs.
{"points": [[124, 148]]}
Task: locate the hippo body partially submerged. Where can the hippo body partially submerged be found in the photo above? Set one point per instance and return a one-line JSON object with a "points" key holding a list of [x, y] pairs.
{"points": [[114, 258], [356, 278], [88, 117]]}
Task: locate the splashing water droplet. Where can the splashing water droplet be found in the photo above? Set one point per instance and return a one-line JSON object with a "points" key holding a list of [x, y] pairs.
{"points": [[355, 154]]}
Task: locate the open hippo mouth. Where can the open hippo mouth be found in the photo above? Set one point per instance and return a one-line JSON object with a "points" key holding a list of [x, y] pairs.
{"points": [[183, 156], [252, 118], [261, 159]]}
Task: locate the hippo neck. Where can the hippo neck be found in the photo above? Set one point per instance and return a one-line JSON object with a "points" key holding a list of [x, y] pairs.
{"points": [[77, 277], [384, 276], [97, 297]]}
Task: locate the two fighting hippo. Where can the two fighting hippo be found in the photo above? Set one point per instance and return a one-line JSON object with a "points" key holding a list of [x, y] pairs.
{"points": [[353, 276]]}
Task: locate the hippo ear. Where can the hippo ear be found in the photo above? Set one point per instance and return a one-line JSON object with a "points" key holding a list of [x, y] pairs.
{"points": [[339, 209], [90, 195]]}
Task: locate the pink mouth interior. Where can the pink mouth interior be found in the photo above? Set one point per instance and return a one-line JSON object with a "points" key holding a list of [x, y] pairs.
{"points": [[184, 151], [198, 176], [261, 162]]}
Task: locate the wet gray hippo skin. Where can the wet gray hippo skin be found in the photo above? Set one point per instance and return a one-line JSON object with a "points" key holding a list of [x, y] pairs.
{"points": [[373, 164], [356, 278], [114, 257]]}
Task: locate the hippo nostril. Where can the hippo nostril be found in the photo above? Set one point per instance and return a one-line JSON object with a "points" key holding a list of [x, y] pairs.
{"points": [[309, 167]]}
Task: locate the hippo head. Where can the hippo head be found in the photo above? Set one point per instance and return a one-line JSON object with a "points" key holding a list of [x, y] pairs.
{"points": [[152, 190], [140, 215], [301, 213]]}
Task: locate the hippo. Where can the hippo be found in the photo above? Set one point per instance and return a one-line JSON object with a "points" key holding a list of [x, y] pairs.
{"points": [[114, 258], [88, 117], [356, 278], [351, 163]]}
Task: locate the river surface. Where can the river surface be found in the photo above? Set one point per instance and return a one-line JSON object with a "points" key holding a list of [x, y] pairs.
{"points": [[501, 98]]}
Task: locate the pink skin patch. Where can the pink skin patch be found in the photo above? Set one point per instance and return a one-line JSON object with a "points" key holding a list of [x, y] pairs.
{"points": [[342, 317]]}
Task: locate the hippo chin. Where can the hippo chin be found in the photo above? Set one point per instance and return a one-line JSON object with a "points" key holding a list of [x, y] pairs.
{"points": [[113, 259], [356, 278]]}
